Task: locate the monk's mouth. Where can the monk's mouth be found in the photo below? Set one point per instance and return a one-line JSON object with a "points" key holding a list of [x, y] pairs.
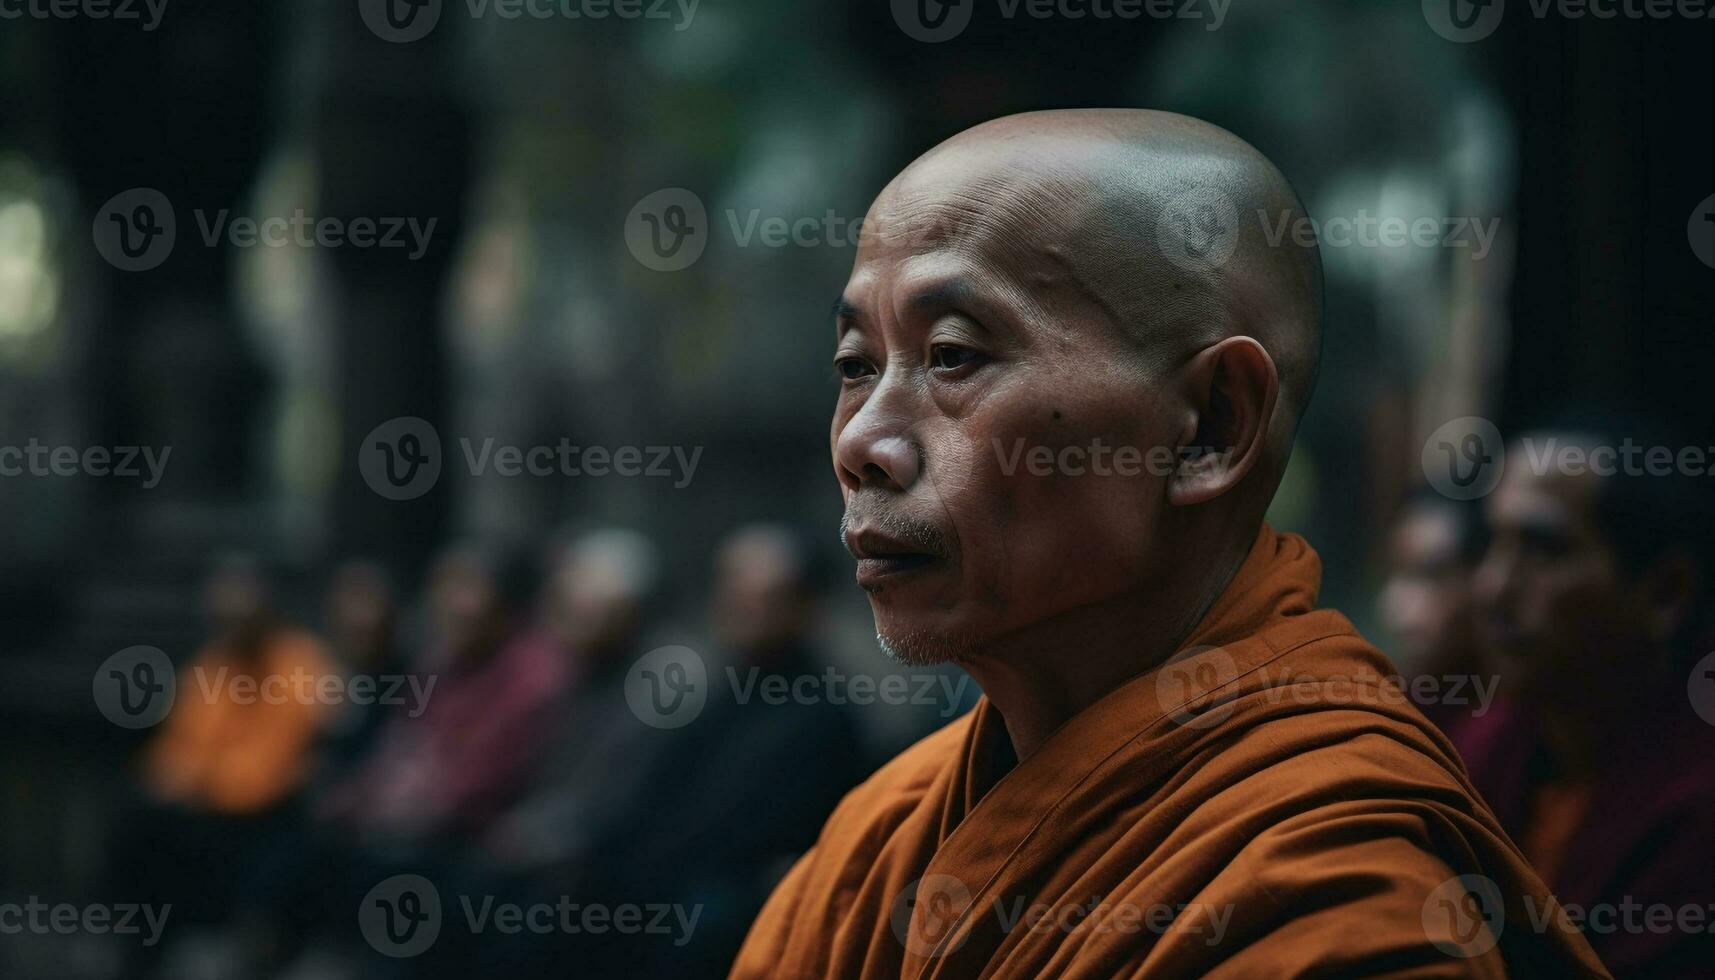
{"points": [[874, 571]]}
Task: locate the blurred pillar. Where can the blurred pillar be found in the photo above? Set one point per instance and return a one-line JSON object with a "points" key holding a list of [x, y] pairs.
{"points": [[392, 140], [1617, 150]]}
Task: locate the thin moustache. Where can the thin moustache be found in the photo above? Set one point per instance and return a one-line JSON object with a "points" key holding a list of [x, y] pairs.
{"points": [[866, 531]]}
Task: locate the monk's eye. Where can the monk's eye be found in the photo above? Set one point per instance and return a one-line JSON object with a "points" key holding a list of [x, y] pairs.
{"points": [[852, 368], [949, 357]]}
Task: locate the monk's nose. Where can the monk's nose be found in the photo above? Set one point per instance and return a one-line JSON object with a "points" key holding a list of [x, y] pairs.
{"points": [[874, 450]]}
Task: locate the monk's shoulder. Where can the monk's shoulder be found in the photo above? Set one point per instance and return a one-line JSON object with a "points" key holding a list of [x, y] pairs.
{"points": [[1332, 703]]}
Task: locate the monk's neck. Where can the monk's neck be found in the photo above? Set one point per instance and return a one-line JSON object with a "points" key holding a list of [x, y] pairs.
{"points": [[1042, 676]]}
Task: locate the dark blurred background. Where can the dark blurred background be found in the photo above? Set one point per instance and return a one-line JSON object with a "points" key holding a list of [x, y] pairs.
{"points": [[526, 318]]}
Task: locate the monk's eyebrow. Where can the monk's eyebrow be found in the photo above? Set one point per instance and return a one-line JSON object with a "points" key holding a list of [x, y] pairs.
{"points": [[846, 315], [944, 295]]}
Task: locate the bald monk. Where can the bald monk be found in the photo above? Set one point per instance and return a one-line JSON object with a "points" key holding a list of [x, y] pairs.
{"points": [[1180, 767]]}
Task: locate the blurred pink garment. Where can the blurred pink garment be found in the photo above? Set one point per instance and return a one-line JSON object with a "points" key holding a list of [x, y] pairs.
{"points": [[1637, 834], [469, 753]]}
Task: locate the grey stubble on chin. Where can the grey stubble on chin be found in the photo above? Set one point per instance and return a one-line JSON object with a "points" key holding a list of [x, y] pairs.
{"points": [[915, 649]]}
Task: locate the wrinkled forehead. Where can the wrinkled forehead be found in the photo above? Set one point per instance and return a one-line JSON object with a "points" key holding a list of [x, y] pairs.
{"points": [[1012, 213], [1059, 229]]}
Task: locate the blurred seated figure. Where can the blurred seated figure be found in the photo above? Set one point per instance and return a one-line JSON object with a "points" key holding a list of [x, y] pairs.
{"points": [[219, 821], [443, 769], [1425, 603], [594, 609], [362, 622], [223, 749], [1595, 759], [724, 825], [575, 831]]}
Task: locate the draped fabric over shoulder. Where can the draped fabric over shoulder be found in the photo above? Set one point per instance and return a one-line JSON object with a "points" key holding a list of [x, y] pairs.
{"points": [[1265, 803]]}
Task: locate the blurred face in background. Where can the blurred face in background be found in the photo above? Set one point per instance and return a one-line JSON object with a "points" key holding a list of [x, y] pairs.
{"points": [[465, 602], [760, 603], [597, 594], [1562, 618], [235, 598], [360, 614], [1426, 601], [961, 354]]}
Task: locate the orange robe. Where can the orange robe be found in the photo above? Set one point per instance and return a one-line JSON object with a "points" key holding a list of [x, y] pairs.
{"points": [[235, 751], [1265, 804]]}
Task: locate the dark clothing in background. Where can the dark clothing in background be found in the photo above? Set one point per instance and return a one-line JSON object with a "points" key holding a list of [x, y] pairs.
{"points": [[704, 817], [742, 795], [1637, 834]]}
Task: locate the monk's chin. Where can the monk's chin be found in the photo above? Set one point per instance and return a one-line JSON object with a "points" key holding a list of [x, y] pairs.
{"points": [[921, 648]]}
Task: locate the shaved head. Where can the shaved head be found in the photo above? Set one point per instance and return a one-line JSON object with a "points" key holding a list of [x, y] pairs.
{"points": [[1159, 220], [1073, 351]]}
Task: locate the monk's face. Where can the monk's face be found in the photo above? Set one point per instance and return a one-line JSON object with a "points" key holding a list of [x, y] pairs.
{"points": [[985, 404], [1425, 602], [1558, 612]]}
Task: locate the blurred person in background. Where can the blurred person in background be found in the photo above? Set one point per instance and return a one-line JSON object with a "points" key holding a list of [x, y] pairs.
{"points": [[445, 767], [1592, 599], [573, 831], [727, 765], [362, 615], [1425, 603], [222, 824]]}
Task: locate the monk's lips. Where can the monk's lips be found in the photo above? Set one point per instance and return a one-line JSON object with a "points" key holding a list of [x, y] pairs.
{"points": [[874, 571]]}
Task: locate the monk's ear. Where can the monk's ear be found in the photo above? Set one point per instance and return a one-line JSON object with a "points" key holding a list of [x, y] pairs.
{"points": [[1231, 389]]}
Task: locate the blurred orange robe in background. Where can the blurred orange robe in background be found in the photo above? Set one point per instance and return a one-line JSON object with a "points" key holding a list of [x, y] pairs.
{"points": [[1262, 805], [236, 750]]}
